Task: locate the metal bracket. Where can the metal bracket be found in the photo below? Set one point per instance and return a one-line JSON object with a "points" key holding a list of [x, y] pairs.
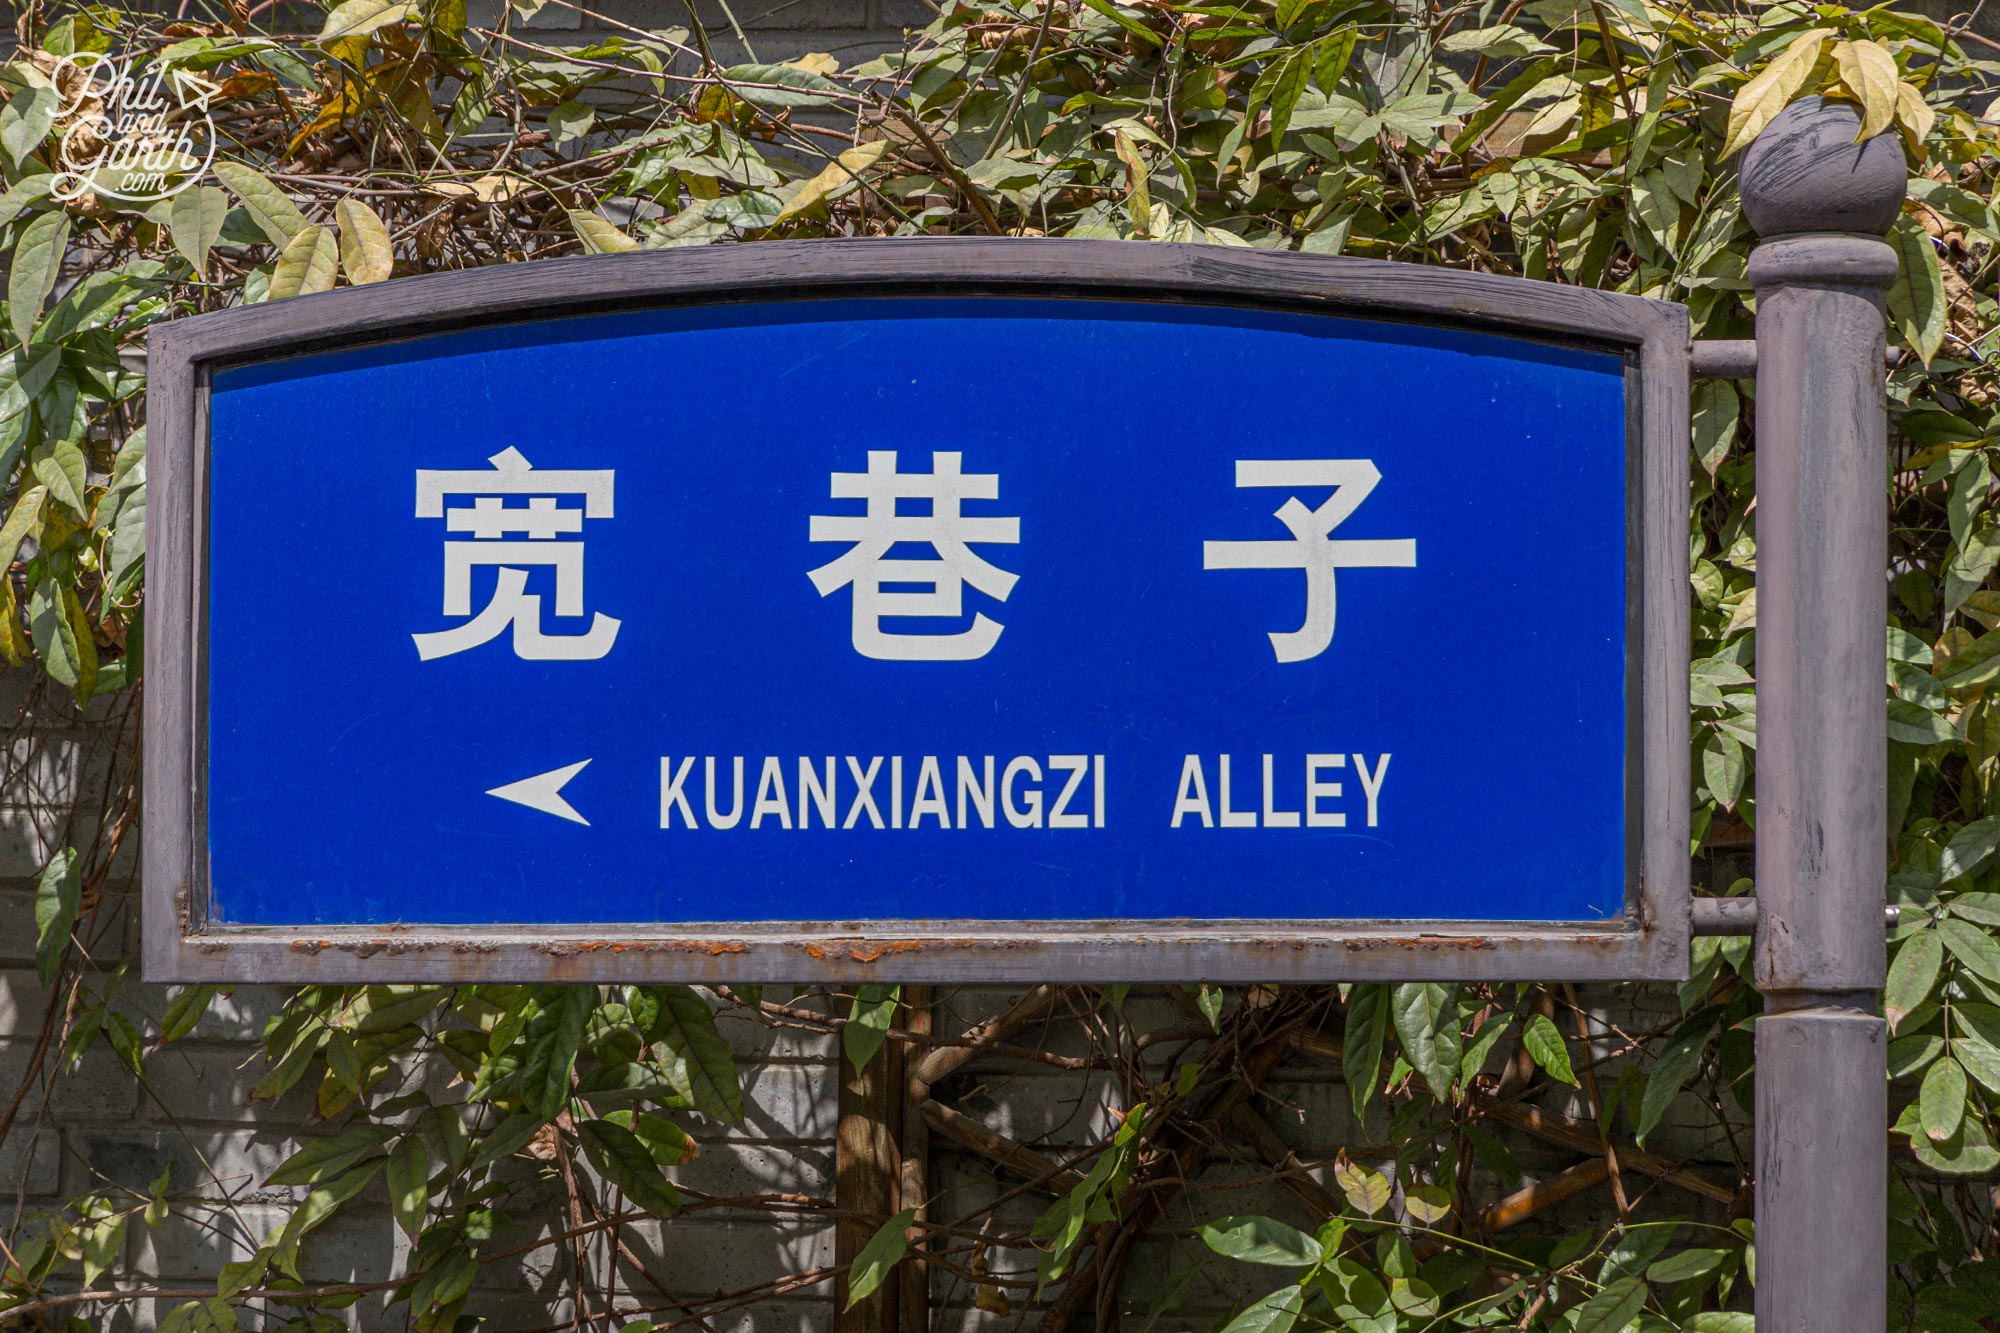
{"points": [[1736, 358], [1738, 916]]}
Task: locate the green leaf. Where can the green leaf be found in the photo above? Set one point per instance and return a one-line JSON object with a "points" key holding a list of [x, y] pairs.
{"points": [[1969, 1153], [24, 519], [409, 1184], [61, 470], [1426, 1018], [699, 1063], [307, 264], [323, 1159], [1973, 947], [1361, 1050], [1686, 1265], [1209, 999], [1275, 1313], [1129, 24], [28, 190], [56, 900], [507, 1138], [1912, 974], [233, 1278], [195, 221], [1717, 1321], [156, 1197], [868, 1022], [321, 1202], [1261, 1240], [54, 617], [1335, 50], [26, 121], [1612, 1309], [1917, 301], [1480, 1048], [1941, 1102], [1723, 768], [1981, 907], [1546, 1045], [1977, 1042], [358, 18], [1676, 1065], [184, 1012], [1913, 724], [884, 1250], [626, 1163], [781, 85], [1969, 848], [555, 1034], [37, 260], [268, 206], [1716, 411], [24, 373]]}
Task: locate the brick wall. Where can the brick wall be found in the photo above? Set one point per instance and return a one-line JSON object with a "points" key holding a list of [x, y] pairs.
{"points": [[104, 1127]]}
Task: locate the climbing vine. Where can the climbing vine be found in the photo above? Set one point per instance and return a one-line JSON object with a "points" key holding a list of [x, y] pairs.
{"points": [[1587, 142]]}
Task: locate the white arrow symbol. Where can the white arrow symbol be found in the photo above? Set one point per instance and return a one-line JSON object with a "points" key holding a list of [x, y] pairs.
{"points": [[193, 90], [544, 792]]}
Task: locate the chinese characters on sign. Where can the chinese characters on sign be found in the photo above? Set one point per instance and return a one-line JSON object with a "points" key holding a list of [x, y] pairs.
{"points": [[490, 520], [867, 565]]}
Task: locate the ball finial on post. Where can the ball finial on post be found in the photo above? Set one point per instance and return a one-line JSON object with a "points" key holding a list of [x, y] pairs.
{"points": [[1806, 173]]}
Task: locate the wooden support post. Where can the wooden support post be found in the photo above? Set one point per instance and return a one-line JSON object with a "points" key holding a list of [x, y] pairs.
{"points": [[866, 1169], [1820, 200], [913, 1186]]}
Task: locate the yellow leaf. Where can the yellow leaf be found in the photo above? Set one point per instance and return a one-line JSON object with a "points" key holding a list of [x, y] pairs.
{"points": [[452, 189], [1140, 203], [1914, 118], [365, 251], [13, 639], [498, 189], [1870, 74], [818, 62], [344, 104], [306, 264], [357, 18], [1768, 92], [837, 177], [599, 237], [1368, 1190]]}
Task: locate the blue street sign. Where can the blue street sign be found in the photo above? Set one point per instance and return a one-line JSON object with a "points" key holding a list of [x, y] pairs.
{"points": [[914, 608]]}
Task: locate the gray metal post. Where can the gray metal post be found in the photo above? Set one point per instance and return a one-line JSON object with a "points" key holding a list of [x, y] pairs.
{"points": [[1820, 203]]}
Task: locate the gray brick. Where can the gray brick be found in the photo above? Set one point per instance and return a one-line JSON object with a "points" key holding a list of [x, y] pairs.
{"points": [[200, 1082], [204, 1162], [236, 1014], [895, 15], [751, 1040], [782, 1102], [31, 1163], [29, 835], [694, 1256], [101, 1087], [1059, 1108], [554, 16], [194, 1243], [732, 1170]]}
